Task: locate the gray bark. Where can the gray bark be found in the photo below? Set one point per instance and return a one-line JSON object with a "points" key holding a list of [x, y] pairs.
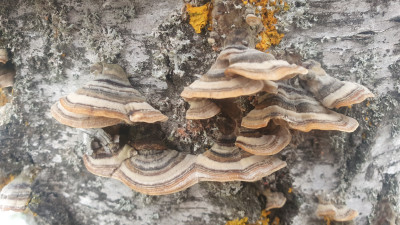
{"points": [[53, 44]]}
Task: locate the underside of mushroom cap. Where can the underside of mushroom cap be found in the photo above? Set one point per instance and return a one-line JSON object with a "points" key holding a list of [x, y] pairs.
{"points": [[300, 111], [331, 92], [79, 120]]}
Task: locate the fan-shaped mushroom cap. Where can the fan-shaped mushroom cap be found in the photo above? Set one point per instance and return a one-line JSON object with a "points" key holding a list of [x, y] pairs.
{"points": [[15, 196], [156, 172], [274, 199], [201, 109], [328, 210], [218, 87], [6, 76], [111, 96], [80, 121], [3, 55], [257, 65], [228, 163], [214, 84], [300, 111], [258, 143], [331, 92]]}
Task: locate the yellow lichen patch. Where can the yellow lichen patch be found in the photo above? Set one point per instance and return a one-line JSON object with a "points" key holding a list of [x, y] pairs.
{"points": [[199, 16], [243, 221], [290, 190], [269, 36], [6, 180], [3, 98], [263, 220]]}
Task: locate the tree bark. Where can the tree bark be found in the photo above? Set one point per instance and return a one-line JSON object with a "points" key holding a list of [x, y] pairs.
{"points": [[53, 43]]}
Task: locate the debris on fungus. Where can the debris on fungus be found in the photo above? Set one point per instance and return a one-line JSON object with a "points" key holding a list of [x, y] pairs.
{"points": [[199, 16], [105, 101]]}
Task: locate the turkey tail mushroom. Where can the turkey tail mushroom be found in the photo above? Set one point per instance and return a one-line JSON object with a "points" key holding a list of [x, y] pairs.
{"points": [[201, 109], [331, 92], [300, 111], [156, 171], [257, 65], [109, 96], [264, 143], [3, 56], [15, 196]]}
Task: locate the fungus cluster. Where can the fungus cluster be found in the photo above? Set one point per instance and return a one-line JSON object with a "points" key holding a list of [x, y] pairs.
{"points": [[283, 100], [146, 165]]}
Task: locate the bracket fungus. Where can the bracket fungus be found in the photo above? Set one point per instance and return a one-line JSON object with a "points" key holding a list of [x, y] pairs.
{"points": [[264, 142], [3, 55], [330, 212], [157, 170], [238, 71], [331, 92], [275, 200], [105, 101], [299, 110], [15, 196]]}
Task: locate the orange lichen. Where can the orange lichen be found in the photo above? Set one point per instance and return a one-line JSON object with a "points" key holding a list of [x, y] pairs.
{"points": [[199, 16], [3, 98], [263, 220], [6, 180], [269, 36], [290, 190], [242, 221]]}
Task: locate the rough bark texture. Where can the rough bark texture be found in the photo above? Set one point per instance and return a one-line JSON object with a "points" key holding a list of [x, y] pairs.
{"points": [[53, 43]]}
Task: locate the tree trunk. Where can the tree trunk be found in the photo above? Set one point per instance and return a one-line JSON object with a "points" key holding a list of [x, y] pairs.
{"points": [[53, 43]]}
